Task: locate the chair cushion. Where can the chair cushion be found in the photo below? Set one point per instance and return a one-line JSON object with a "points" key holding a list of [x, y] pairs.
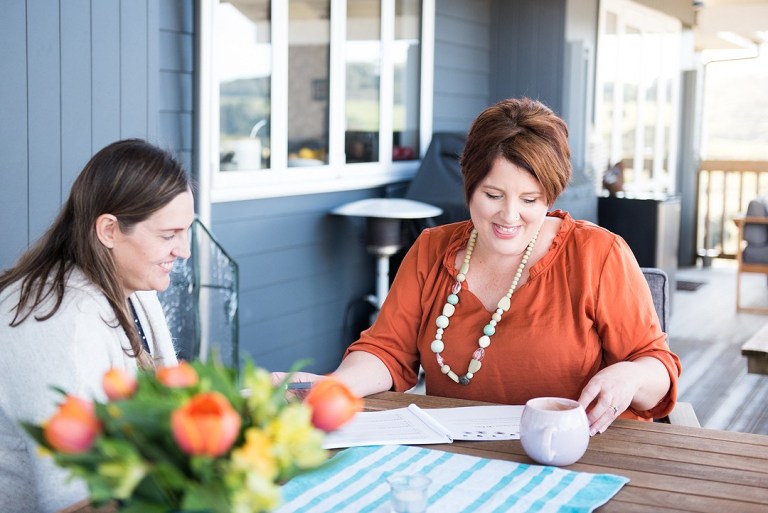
{"points": [[756, 234], [755, 254]]}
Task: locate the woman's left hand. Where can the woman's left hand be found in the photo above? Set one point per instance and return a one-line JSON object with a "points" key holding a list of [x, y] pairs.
{"points": [[641, 383], [607, 395]]}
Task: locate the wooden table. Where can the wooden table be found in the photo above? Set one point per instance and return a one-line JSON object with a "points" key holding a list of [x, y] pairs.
{"points": [[671, 468]]}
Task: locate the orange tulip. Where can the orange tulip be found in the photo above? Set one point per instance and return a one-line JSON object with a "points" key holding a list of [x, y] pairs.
{"points": [[332, 403], [182, 375], [118, 384], [74, 426], [206, 425]]}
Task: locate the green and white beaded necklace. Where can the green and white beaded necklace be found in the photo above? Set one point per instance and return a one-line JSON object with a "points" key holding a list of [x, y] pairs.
{"points": [[449, 308]]}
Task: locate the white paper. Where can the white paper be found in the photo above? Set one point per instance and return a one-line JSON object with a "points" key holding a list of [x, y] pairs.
{"points": [[417, 426], [389, 427], [480, 422]]}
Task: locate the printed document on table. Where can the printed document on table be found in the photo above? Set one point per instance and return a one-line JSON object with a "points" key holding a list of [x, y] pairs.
{"points": [[401, 426], [417, 426], [497, 422]]}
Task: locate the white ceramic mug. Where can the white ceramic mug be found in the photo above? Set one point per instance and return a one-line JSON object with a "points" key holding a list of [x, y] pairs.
{"points": [[554, 430]]}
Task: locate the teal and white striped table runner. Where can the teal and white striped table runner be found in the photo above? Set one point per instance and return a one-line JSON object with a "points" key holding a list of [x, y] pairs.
{"points": [[354, 480]]}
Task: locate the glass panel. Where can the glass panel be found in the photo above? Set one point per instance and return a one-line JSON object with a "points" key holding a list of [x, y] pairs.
{"points": [[669, 50], [309, 36], [632, 52], [407, 62], [609, 49], [244, 68], [363, 70], [652, 57]]}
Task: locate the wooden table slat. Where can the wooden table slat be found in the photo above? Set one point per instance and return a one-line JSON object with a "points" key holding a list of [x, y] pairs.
{"points": [[612, 448], [663, 501]]}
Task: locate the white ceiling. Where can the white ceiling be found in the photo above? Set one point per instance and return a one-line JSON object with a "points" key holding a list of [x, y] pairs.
{"points": [[731, 24]]}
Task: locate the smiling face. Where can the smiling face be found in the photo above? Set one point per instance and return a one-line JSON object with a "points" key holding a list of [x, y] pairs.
{"points": [[144, 255], [507, 208]]}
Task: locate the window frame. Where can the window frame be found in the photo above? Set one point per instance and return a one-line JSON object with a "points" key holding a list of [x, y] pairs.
{"points": [[280, 180], [648, 22]]}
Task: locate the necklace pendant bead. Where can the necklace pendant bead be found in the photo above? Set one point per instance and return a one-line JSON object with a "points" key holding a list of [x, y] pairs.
{"points": [[453, 376], [442, 321], [496, 317], [437, 346], [464, 380], [453, 299], [484, 341], [445, 369], [448, 309], [504, 303], [479, 354], [440, 360], [474, 366], [464, 268], [456, 289], [489, 330]]}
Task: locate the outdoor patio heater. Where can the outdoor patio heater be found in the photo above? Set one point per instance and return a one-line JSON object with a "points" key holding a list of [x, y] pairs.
{"points": [[384, 218]]}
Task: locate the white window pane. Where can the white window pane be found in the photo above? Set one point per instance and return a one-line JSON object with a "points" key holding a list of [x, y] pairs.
{"points": [[244, 69], [309, 36]]}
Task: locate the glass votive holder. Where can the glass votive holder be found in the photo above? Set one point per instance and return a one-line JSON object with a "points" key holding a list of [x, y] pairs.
{"points": [[409, 493]]}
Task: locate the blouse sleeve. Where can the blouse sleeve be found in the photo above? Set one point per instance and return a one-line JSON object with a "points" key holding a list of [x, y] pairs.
{"points": [[627, 322], [393, 336]]}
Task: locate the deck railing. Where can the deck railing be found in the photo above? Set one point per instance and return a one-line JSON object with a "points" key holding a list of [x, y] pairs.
{"points": [[725, 189]]}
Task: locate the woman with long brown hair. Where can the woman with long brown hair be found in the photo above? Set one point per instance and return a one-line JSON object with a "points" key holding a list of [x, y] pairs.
{"points": [[82, 300]]}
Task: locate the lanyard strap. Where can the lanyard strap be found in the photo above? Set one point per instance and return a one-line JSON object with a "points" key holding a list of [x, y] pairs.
{"points": [[136, 321]]}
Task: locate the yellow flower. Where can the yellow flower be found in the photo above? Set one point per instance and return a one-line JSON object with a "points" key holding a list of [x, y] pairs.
{"points": [[255, 455], [260, 401], [297, 444], [257, 494], [252, 478]]}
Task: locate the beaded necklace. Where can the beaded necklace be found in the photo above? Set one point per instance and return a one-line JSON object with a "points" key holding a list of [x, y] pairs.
{"points": [[449, 308]]}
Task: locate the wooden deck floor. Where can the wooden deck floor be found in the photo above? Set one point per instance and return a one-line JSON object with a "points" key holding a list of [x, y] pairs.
{"points": [[707, 334]]}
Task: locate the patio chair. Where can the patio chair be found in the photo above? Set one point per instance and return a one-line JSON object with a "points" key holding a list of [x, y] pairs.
{"points": [[658, 282], [752, 249], [201, 304]]}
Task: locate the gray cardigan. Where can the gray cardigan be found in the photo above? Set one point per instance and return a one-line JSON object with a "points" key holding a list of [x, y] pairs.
{"points": [[71, 350]]}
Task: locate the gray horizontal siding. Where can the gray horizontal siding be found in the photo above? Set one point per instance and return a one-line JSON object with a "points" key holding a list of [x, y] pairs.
{"points": [[14, 152], [78, 75], [528, 50], [462, 63], [300, 269]]}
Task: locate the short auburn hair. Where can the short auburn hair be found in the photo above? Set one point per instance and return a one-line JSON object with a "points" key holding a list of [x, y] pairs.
{"points": [[526, 133]]}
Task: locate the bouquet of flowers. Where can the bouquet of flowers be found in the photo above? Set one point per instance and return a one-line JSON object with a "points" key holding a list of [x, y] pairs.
{"points": [[193, 438]]}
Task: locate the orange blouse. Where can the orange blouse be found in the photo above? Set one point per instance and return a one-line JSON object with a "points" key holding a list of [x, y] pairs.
{"points": [[586, 305]]}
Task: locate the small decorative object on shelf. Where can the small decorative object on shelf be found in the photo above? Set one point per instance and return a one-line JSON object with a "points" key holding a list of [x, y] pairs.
{"points": [[191, 438]]}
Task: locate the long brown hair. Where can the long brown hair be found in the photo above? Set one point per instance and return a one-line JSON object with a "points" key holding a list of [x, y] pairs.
{"points": [[130, 179], [525, 132]]}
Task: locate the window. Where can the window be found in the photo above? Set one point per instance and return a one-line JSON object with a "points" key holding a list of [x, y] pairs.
{"points": [[638, 69], [314, 95]]}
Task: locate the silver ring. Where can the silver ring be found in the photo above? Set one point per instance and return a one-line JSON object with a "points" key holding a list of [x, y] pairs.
{"points": [[615, 410]]}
